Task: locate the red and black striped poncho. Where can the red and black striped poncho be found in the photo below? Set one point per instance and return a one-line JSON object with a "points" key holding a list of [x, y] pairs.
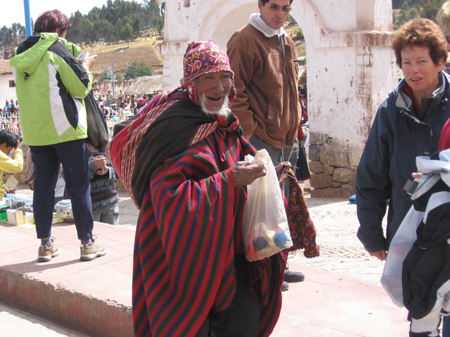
{"points": [[190, 230]]}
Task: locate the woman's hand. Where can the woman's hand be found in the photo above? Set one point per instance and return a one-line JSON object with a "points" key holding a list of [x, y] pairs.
{"points": [[89, 61], [381, 255]]}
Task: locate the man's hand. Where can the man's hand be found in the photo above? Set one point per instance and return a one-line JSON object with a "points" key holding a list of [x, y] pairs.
{"points": [[381, 255], [12, 191], [282, 171], [244, 173]]}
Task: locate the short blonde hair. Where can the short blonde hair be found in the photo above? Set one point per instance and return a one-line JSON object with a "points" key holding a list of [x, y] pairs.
{"points": [[443, 17]]}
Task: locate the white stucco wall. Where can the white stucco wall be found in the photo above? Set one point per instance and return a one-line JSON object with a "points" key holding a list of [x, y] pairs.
{"points": [[350, 64], [6, 93], [349, 59], [202, 20]]}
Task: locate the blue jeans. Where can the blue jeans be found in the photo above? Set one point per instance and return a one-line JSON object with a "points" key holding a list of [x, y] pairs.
{"points": [[73, 156]]}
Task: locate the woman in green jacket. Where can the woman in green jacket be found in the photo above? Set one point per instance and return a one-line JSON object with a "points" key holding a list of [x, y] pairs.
{"points": [[51, 85]]}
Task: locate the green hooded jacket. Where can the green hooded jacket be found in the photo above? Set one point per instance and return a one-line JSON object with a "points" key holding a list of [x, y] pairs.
{"points": [[50, 86]]}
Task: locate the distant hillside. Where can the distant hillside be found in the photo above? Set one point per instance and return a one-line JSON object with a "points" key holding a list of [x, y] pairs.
{"points": [[405, 10], [292, 28], [114, 21], [124, 52]]}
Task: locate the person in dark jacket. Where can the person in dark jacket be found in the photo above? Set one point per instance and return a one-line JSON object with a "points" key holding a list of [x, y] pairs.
{"points": [[443, 20], [408, 124], [426, 267]]}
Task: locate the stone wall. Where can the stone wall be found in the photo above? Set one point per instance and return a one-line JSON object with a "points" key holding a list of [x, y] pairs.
{"points": [[333, 166]]}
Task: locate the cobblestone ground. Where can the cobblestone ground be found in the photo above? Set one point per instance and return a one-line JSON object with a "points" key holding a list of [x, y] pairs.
{"points": [[340, 250]]}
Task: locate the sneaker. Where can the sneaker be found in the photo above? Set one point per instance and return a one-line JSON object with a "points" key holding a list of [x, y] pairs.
{"points": [[46, 252], [91, 251], [284, 286]]}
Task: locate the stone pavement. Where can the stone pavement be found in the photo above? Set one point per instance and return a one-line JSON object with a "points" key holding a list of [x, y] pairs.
{"points": [[17, 323], [340, 250], [341, 295]]}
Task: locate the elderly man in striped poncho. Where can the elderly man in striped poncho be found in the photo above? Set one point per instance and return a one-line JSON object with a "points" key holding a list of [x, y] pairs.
{"points": [[191, 277]]}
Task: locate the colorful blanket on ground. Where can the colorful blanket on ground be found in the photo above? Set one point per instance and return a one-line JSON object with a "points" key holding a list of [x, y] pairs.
{"points": [[189, 231], [301, 226]]}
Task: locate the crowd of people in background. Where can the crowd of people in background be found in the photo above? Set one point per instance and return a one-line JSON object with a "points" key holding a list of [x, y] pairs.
{"points": [[122, 106], [10, 106], [10, 110], [115, 109]]}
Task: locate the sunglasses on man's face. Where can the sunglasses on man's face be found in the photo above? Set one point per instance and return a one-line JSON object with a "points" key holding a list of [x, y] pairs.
{"points": [[276, 8]]}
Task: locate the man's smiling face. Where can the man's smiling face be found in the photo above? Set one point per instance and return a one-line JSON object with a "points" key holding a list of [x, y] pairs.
{"points": [[213, 89]]}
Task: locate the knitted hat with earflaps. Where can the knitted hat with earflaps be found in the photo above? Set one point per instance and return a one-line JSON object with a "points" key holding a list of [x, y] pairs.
{"points": [[204, 57]]}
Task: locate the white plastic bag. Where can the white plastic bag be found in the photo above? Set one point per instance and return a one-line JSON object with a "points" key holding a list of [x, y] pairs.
{"points": [[401, 244], [266, 230]]}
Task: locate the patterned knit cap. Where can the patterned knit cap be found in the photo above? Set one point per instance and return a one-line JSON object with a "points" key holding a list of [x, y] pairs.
{"points": [[203, 57]]}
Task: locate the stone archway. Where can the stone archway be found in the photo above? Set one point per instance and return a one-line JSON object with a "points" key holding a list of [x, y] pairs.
{"points": [[350, 67]]}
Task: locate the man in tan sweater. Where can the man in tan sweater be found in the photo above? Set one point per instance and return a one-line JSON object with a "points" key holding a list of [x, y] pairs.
{"points": [[263, 59]]}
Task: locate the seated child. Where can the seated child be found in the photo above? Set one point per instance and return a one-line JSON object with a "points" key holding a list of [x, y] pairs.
{"points": [[8, 142]]}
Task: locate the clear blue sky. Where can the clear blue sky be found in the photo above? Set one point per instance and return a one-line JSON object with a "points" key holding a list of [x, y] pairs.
{"points": [[13, 11]]}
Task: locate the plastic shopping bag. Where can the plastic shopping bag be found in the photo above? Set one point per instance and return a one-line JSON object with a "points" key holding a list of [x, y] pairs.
{"points": [[266, 229], [401, 244]]}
